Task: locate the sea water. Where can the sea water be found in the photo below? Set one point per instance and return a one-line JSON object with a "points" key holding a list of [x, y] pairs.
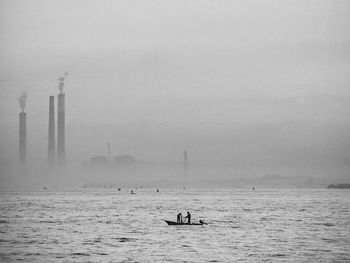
{"points": [[107, 225]]}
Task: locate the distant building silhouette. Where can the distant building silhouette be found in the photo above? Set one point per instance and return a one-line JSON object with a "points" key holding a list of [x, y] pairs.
{"points": [[99, 160], [124, 160]]}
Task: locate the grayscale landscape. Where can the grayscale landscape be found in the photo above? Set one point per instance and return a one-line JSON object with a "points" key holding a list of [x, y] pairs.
{"points": [[115, 116]]}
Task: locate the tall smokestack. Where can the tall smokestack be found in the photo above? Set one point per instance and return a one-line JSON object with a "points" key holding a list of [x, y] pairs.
{"points": [[51, 144], [22, 138], [61, 151], [22, 129]]}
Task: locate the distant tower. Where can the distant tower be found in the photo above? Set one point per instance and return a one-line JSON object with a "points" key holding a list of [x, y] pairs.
{"points": [[185, 165], [51, 144], [22, 138], [61, 151], [61, 147], [22, 129]]}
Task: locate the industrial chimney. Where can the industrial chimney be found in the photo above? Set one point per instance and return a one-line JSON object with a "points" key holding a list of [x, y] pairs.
{"points": [[22, 138], [22, 130], [61, 151], [61, 158], [51, 144]]}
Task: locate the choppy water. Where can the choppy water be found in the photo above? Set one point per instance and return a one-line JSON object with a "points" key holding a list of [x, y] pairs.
{"points": [[110, 226]]}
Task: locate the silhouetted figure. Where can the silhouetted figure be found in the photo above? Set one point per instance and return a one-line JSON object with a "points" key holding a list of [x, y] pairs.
{"points": [[253, 188], [157, 190], [202, 222], [188, 217], [179, 218]]}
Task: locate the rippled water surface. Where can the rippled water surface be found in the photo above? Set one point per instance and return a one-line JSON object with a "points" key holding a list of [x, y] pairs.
{"points": [[111, 226]]}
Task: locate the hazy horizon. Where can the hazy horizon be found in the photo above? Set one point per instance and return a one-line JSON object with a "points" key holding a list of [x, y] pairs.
{"points": [[259, 85]]}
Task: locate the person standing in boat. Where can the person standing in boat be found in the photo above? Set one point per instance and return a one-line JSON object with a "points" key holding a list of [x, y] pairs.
{"points": [[179, 218], [188, 217]]}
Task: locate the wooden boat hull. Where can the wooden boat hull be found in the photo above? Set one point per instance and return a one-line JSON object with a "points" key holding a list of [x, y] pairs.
{"points": [[172, 223]]}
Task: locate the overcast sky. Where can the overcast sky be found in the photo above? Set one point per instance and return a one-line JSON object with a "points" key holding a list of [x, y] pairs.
{"points": [[227, 80]]}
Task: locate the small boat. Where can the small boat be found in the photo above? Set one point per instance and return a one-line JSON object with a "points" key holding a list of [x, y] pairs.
{"points": [[172, 223]]}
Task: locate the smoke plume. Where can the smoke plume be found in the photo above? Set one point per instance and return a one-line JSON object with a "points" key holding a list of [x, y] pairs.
{"points": [[22, 100], [61, 82]]}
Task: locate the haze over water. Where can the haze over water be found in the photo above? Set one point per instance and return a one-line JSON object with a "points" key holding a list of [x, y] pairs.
{"points": [[109, 226], [262, 87]]}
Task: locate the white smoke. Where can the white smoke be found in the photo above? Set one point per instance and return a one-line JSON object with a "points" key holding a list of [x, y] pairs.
{"points": [[61, 82], [22, 100]]}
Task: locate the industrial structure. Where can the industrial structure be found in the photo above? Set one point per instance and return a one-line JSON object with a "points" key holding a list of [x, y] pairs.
{"points": [[51, 135], [22, 129], [22, 138], [61, 146]]}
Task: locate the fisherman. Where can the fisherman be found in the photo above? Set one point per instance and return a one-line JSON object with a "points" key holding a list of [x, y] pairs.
{"points": [[188, 217], [179, 218]]}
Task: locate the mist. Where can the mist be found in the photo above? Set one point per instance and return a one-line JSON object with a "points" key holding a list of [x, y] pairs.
{"points": [[252, 90]]}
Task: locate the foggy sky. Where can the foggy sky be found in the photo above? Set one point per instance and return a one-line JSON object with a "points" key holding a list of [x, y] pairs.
{"points": [[255, 83]]}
